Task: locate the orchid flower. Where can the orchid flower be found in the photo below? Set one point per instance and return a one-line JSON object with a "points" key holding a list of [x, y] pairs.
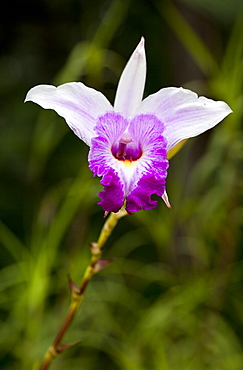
{"points": [[130, 141]]}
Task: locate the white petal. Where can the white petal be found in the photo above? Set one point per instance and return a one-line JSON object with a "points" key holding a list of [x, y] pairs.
{"points": [[184, 114], [131, 85], [166, 199], [78, 104]]}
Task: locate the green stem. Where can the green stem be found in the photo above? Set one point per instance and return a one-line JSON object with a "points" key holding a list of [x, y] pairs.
{"points": [[78, 291]]}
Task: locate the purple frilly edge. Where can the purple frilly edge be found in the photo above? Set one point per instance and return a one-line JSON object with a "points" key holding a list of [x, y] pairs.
{"points": [[112, 197], [140, 198]]}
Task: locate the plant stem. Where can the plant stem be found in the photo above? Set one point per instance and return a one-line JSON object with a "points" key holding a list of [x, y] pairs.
{"points": [[77, 292]]}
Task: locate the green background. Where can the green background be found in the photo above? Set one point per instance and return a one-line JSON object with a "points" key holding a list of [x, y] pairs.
{"points": [[172, 299]]}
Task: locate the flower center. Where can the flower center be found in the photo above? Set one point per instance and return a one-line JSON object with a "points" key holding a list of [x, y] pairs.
{"points": [[125, 149]]}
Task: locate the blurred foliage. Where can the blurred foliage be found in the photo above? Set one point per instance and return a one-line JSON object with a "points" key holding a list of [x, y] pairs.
{"points": [[173, 297]]}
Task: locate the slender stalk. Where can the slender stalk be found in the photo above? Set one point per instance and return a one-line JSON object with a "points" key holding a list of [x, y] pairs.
{"points": [[77, 292]]}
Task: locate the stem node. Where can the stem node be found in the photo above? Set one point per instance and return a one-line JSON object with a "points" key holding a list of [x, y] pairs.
{"points": [[96, 264]]}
